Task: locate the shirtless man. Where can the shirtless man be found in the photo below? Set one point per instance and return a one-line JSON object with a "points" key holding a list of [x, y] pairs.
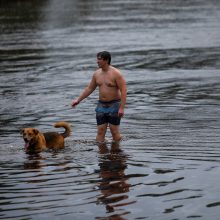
{"points": [[112, 97]]}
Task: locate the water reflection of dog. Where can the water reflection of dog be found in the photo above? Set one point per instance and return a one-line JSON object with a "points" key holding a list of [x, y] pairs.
{"points": [[41, 169], [33, 162], [114, 183]]}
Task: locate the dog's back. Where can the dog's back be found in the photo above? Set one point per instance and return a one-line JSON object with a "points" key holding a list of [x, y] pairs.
{"points": [[56, 140]]}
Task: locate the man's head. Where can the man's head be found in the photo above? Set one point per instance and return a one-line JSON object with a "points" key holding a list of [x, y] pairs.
{"points": [[105, 55]]}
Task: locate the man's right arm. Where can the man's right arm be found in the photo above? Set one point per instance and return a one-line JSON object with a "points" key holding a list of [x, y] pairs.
{"points": [[87, 91]]}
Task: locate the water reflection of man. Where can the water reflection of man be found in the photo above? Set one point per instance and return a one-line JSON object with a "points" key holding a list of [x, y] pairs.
{"points": [[113, 184]]}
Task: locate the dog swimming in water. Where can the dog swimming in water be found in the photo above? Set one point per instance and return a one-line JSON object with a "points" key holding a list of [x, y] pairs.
{"points": [[35, 141]]}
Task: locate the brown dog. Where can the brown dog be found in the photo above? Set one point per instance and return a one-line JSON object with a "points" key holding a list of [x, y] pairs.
{"points": [[37, 141]]}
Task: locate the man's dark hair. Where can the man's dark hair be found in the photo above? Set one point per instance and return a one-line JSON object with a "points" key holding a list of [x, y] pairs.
{"points": [[105, 55]]}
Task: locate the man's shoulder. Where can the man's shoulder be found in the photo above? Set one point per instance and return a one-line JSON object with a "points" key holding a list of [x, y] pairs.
{"points": [[115, 70], [97, 72]]}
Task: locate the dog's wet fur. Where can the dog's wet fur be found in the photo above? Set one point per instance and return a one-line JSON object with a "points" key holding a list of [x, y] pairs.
{"points": [[35, 141]]}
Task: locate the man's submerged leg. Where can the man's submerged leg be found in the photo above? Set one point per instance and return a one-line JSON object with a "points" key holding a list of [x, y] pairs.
{"points": [[100, 138], [116, 136]]}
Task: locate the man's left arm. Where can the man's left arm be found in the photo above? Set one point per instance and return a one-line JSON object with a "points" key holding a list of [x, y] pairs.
{"points": [[123, 89]]}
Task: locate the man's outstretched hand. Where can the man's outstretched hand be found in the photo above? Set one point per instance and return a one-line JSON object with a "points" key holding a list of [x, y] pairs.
{"points": [[75, 102]]}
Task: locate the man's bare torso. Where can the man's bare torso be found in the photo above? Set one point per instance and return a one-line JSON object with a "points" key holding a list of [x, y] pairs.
{"points": [[107, 83]]}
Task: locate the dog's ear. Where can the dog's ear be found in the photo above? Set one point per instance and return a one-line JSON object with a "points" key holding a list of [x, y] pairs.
{"points": [[22, 131], [35, 131]]}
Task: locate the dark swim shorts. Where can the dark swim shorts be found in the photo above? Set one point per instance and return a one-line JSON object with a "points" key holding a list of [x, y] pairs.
{"points": [[107, 112]]}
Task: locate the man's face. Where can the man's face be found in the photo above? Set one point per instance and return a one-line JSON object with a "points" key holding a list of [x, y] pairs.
{"points": [[100, 61]]}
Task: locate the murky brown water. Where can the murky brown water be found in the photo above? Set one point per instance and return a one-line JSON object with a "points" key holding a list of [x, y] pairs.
{"points": [[167, 166]]}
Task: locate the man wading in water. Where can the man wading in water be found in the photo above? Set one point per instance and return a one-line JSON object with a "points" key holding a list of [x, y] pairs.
{"points": [[112, 97]]}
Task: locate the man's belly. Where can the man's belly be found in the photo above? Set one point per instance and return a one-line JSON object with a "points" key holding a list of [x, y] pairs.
{"points": [[109, 95]]}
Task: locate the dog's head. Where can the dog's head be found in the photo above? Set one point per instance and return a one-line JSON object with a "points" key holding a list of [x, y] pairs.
{"points": [[29, 136]]}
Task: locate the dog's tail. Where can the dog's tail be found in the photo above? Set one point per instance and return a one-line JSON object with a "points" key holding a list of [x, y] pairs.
{"points": [[64, 125]]}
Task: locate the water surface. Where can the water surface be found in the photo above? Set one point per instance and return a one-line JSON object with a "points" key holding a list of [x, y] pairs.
{"points": [[167, 166]]}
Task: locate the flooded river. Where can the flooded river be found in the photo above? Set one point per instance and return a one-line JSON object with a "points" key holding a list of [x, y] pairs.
{"points": [[168, 165]]}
